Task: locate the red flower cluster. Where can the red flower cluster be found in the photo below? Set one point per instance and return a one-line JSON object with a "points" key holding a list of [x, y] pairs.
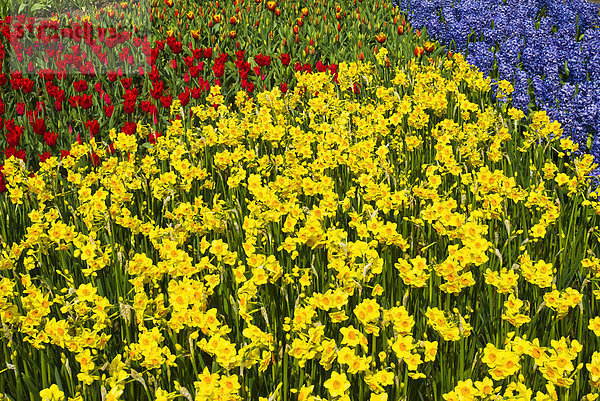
{"points": [[285, 59], [219, 66], [84, 101], [243, 70], [19, 83], [13, 133]]}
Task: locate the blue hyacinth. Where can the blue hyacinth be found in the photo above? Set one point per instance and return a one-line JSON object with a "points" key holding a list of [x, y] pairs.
{"points": [[549, 46]]}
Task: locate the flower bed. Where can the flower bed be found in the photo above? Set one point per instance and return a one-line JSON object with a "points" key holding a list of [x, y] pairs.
{"points": [[72, 80], [390, 228]]}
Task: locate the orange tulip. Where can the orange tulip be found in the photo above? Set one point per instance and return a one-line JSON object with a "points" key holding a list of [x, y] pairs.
{"points": [[381, 37]]}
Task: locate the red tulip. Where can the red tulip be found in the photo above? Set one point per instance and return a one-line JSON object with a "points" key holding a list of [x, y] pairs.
{"points": [[44, 156], [108, 110], [129, 128], [93, 127], [184, 97], [80, 86], [50, 138]]}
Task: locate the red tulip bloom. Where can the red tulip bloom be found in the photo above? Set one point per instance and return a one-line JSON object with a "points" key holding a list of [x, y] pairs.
{"points": [[112, 76], [131, 94], [189, 61], [174, 44], [126, 82], [9, 124], [93, 127], [129, 107], [14, 137], [44, 156], [157, 89], [27, 85], [197, 53], [184, 97], [85, 101], [129, 128], [47, 75], [111, 42], [50, 138], [219, 66], [147, 107], [153, 56], [285, 59], [39, 126], [196, 92], [249, 87], [80, 86], [166, 101], [195, 71], [153, 75], [262, 60], [2, 182]]}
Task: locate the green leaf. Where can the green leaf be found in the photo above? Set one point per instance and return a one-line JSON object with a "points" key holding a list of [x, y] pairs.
{"points": [[38, 6], [30, 385]]}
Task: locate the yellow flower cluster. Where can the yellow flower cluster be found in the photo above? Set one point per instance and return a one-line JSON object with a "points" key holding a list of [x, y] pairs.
{"points": [[321, 244]]}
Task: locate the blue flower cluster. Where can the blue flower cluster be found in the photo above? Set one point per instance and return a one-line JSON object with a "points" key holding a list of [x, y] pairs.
{"points": [[548, 49]]}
